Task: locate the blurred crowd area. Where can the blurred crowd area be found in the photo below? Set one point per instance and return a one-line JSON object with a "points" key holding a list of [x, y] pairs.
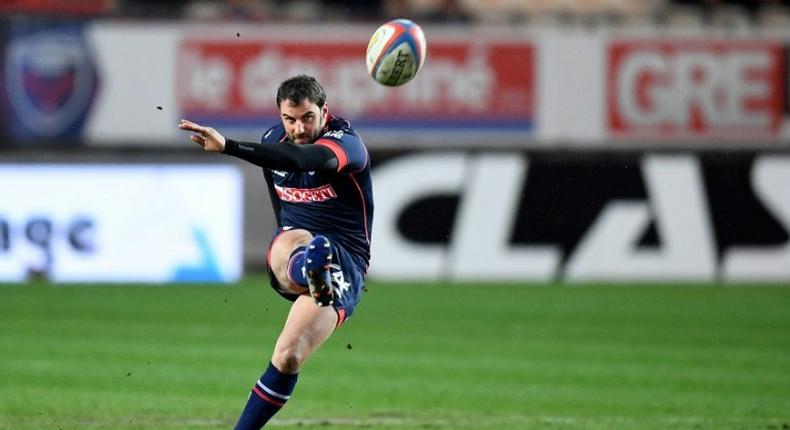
{"points": [[688, 14]]}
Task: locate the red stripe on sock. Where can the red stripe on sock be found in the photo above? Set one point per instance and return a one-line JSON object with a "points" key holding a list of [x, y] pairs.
{"points": [[267, 398]]}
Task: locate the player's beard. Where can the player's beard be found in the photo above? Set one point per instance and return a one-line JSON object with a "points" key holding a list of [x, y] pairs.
{"points": [[305, 138]]}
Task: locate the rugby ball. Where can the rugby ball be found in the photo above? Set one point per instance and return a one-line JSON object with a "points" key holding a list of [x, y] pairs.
{"points": [[396, 52]]}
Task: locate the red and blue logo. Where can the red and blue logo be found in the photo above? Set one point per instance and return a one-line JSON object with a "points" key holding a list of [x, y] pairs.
{"points": [[49, 81]]}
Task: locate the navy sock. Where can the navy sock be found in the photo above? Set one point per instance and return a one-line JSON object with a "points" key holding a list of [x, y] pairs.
{"points": [[268, 396], [296, 267]]}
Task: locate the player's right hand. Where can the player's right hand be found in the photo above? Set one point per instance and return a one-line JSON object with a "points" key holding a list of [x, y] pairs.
{"points": [[206, 137]]}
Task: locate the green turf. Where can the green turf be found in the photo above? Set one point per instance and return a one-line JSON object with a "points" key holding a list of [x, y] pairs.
{"points": [[415, 356]]}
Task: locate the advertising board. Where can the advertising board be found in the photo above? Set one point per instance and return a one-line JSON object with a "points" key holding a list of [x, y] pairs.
{"points": [[700, 88], [120, 223], [582, 216]]}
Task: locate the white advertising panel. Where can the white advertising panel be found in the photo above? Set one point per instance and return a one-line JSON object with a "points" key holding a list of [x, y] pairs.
{"points": [[136, 65], [630, 217], [120, 223]]}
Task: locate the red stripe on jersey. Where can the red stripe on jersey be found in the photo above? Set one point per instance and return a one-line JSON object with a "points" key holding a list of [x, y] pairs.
{"points": [[340, 153], [341, 318], [364, 208]]}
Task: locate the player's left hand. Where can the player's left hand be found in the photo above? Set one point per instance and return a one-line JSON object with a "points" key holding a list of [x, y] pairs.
{"points": [[210, 139]]}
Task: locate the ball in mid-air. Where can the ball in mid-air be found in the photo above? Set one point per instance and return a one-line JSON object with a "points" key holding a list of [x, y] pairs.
{"points": [[396, 52]]}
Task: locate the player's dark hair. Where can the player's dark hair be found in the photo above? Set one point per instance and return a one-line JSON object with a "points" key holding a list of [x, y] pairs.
{"points": [[299, 88]]}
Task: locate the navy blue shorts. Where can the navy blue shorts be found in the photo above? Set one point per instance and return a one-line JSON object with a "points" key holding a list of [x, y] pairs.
{"points": [[348, 280]]}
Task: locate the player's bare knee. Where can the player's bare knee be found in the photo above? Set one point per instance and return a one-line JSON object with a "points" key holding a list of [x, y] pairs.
{"points": [[289, 360]]}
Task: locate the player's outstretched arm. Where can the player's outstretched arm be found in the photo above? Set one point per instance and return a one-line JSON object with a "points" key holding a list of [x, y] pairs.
{"points": [[284, 156], [208, 138]]}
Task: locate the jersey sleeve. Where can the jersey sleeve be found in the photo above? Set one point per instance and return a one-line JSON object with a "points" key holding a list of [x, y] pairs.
{"points": [[352, 156]]}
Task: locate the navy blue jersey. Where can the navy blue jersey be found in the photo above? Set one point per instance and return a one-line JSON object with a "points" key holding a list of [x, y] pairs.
{"points": [[338, 205]]}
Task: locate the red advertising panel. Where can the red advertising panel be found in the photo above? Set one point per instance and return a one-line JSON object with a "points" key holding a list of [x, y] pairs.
{"points": [[694, 88], [464, 83]]}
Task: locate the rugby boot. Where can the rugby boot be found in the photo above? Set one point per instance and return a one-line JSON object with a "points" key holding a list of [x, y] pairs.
{"points": [[317, 259]]}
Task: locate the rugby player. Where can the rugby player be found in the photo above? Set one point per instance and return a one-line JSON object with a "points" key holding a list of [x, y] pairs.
{"points": [[317, 170]]}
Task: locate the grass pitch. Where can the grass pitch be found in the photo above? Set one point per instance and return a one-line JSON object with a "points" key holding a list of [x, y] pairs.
{"points": [[414, 356]]}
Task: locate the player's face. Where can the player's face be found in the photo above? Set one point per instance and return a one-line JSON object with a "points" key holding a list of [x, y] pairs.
{"points": [[303, 121]]}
